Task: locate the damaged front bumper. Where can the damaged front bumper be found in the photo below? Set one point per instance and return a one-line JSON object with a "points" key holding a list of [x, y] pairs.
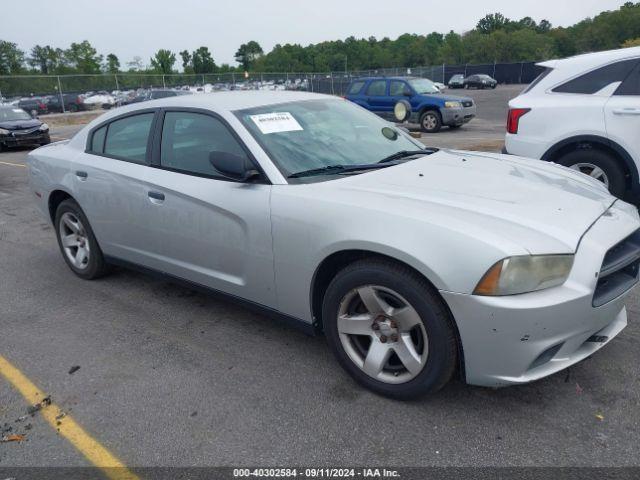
{"points": [[520, 338], [19, 139]]}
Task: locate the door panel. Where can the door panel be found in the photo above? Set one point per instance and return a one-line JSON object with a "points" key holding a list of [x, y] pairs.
{"points": [[377, 96], [112, 195], [202, 227], [111, 191], [622, 115], [212, 232]]}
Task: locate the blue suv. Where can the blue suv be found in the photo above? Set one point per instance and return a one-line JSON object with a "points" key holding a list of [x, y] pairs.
{"points": [[430, 108]]}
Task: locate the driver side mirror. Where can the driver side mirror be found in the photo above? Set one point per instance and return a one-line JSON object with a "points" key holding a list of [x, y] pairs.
{"points": [[232, 166], [34, 114]]}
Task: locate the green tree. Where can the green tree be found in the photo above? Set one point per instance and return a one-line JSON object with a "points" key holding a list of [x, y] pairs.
{"points": [[46, 59], [492, 22], [452, 48], [83, 58], [186, 61], [163, 61], [135, 65], [248, 53], [11, 58], [202, 61], [113, 64]]}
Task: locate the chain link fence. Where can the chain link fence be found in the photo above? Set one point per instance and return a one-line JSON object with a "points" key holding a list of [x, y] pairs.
{"points": [[335, 83]]}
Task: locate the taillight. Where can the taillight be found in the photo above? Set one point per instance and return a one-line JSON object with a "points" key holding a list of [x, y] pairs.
{"points": [[513, 119]]}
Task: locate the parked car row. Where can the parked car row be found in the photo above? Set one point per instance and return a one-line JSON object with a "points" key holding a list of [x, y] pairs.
{"points": [[480, 81]]}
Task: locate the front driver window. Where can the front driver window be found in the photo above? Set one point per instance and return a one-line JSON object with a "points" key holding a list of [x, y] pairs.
{"points": [[189, 138]]}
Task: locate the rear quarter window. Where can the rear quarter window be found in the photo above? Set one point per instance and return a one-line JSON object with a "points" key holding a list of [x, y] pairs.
{"points": [[597, 79], [631, 85], [97, 140]]}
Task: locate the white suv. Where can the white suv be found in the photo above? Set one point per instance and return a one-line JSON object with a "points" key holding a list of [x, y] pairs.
{"points": [[583, 112]]}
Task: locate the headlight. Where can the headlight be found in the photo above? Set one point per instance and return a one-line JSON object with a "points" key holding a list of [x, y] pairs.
{"points": [[4, 131], [44, 127], [452, 105], [523, 274]]}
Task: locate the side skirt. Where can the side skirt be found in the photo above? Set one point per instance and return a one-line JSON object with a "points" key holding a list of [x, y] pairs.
{"points": [[283, 318]]}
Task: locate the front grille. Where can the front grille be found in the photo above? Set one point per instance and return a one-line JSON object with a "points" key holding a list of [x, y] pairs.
{"points": [[619, 270], [467, 103]]}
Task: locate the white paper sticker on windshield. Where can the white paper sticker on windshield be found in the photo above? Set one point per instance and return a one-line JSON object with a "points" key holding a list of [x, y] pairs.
{"points": [[276, 122], [18, 110]]}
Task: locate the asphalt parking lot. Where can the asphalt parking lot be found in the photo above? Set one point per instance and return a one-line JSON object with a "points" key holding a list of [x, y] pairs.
{"points": [[171, 377]]}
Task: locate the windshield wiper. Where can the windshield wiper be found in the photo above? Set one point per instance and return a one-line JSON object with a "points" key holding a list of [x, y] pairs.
{"points": [[331, 169], [407, 153]]}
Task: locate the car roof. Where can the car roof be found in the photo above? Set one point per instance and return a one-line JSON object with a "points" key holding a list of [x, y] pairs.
{"points": [[382, 77], [224, 101], [219, 102], [586, 61]]}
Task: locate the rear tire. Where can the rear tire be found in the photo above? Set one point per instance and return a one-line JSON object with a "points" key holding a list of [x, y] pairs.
{"points": [[431, 121], [419, 323], [77, 242], [599, 165]]}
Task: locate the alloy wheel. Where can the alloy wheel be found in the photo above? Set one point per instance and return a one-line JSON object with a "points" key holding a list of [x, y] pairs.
{"points": [[74, 240], [592, 170], [382, 334], [430, 121]]}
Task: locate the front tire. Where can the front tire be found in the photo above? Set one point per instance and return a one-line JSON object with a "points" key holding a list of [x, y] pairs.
{"points": [[389, 329], [599, 165], [77, 242], [431, 121]]}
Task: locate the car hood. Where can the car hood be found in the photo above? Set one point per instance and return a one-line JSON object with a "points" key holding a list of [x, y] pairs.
{"points": [[517, 203], [20, 124], [450, 98]]}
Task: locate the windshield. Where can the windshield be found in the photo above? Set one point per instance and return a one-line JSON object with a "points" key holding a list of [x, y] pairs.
{"points": [[312, 134], [9, 114], [422, 85]]}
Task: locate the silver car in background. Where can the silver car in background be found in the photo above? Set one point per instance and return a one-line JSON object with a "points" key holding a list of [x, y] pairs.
{"points": [[414, 262]]}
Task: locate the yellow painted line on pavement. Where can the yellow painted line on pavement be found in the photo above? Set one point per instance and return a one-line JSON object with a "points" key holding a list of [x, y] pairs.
{"points": [[67, 426], [14, 164]]}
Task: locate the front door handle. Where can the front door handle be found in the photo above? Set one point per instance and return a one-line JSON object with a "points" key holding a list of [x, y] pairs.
{"points": [[156, 197], [82, 175], [627, 111]]}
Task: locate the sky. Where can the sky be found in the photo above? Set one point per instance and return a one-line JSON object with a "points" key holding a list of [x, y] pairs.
{"points": [[131, 28]]}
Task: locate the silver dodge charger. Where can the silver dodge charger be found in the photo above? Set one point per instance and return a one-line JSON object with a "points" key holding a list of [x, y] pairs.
{"points": [[416, 263]]}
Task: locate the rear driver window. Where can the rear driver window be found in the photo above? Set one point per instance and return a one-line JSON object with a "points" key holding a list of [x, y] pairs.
{"points": [[596, 80], [355, 88], [377, 87], [127, 138]]}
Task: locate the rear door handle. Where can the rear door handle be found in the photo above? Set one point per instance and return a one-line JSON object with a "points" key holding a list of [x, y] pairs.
{"points": [[82, 175], [156, 197], [627, 111]]}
